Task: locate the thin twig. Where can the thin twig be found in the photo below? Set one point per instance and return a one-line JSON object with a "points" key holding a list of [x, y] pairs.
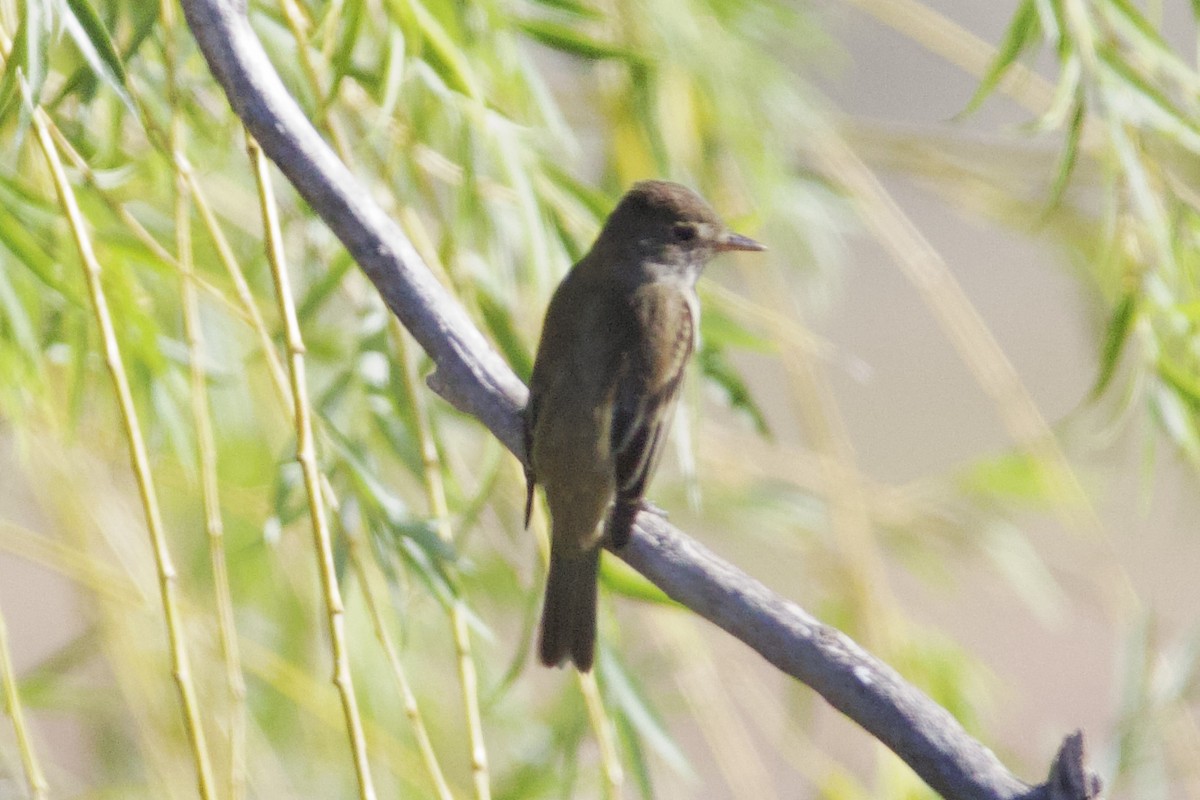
{"points": [[298, 23], [122, 212], [284, 393], [412, 708], [140, 460], [439, 510], [214, 525], [307, 457], [12, 703], [606, 736], [225, 252]]}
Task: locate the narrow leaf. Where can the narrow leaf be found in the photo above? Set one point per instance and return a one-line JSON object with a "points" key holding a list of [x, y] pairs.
{"points": [[1136, 20], [91, 37], [641, 715], [569, 40], [500, 325], [97, 36], [15, 321], [1114, 341], [27, 59], [17, 238], [1070, 156], [1181, 379], [84, 81], [1157, 109], [342, 57], [440, 50], [322, 289], [574, 7], [1024, 29], [718, 369], [622, 579]]}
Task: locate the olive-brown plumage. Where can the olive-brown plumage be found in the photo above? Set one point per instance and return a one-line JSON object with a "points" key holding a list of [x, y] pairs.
{"points": [[617, 336]]}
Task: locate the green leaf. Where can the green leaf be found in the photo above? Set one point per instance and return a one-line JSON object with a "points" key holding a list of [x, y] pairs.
{"points": [[83, 81], [15, 319], [1137, 20], [1050, 16], [1114, 341], [91, 37], [599, 203], [287, 497], [1069, 158], [393, 76], [27, 58], [342, 58], [1014, 477], [499, 323], [575, 7], [392, 511], [440, 51], [1146, 42], [1181, 379], [33, 38], [636, 708], [1174, 403], [392, 541], [569, 40], [719, 329], [622, 579], [717, 368], [322, 289], [1148, 104], [1014, 557], [636, 760], [17, 238], [1025, 28]]}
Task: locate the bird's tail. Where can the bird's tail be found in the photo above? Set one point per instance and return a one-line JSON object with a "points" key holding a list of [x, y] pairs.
{"points": [[569, 615]]}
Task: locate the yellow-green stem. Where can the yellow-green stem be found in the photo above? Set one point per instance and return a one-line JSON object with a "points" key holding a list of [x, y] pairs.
{"points": [[12, 701], [307, 457], [140, 460], [411, 708], [225, 252], [610, 759], [438, 508], [205, 441]]}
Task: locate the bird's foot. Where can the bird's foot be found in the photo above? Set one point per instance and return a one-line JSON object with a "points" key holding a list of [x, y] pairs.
{"points": [[650, 508], [621, 518]]}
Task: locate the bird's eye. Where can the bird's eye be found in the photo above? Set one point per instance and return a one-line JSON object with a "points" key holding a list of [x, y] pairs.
{"points": [[683, 232]]}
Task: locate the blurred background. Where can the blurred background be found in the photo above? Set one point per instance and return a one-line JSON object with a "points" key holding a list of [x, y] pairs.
{"points": [[953, 412]]}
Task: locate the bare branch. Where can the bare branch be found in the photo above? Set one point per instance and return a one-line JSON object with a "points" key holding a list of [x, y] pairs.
{"points": [[473, 377]]}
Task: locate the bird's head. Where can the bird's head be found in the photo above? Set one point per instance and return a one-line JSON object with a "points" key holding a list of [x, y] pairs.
{"points": [[668, 226]]}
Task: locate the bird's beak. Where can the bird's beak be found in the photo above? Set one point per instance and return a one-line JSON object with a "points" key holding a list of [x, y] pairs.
{"points": [[735, 241]]}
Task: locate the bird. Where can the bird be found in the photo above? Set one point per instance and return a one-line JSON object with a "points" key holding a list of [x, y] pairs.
{"points": [[617, 335]]}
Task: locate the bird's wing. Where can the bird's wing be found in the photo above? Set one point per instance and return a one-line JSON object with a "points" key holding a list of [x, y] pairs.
{"points": [[530, 419], [645, 392]]}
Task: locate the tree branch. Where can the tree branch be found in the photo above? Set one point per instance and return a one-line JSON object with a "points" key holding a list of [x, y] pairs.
{"points": [[473, 377]]}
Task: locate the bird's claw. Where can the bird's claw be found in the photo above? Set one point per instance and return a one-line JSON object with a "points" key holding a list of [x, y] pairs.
{"points": [[650, 508]]}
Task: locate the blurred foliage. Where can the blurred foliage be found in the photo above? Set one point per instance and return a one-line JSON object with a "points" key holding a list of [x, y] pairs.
{"points": [[499, 134], [1127, 101]]}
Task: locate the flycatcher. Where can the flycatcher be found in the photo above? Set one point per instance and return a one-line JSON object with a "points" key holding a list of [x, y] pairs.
{"points": [[617, 336]]}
